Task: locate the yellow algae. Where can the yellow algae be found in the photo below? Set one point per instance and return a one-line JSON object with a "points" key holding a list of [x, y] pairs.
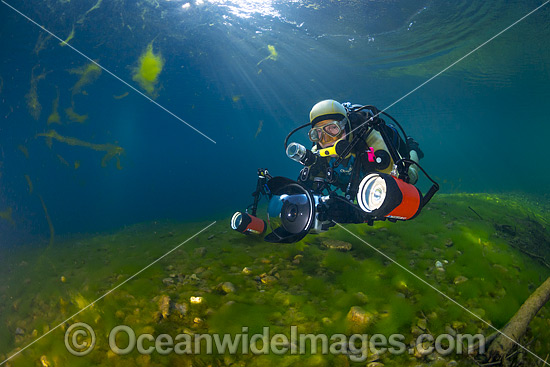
{"points": [[41, 43], [149, 67], [6, 215], [96, 6], [236, 98], [259, 129], [273, 54], [62, 160], [81, 302], [34, 106], [71, 35], [111, 150], [75, 117], [121, 96], [76, 164], [24, 150], [88, 74], [54, 116], [50, 224], [29, 182]]}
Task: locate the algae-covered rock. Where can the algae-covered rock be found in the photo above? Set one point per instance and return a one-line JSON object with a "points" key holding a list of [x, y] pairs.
{"points": [[460, 279], [358, 319], [200, 251], [168, 281], [226, 288], [181, 308], [164, 306], [332, 244]]}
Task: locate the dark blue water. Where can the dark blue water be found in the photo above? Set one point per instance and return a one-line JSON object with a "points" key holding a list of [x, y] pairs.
{"points": [[483, 124]]}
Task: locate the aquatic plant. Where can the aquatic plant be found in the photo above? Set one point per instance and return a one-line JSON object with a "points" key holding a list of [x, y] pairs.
{"points": [[273, 54], [29, 182], [7, 215], [75, 117], [70, 37], [121, 95], [88, 74], [54, 116], [147, 71], [111, 150], [33, 105]]}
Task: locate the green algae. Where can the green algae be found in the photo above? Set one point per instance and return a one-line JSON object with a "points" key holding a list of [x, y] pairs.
{"points": [[273, 54], [314, 291], [33, 104], [89, 73], [147, 71], [75, 117], [111, 150], [54, 117], [7, 215]]}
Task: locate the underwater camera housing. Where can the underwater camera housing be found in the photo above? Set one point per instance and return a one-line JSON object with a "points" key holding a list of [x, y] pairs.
{"points": [[292, 211]]}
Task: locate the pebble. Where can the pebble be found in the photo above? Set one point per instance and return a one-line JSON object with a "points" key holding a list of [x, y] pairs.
{"points": [[168, 281], [19, 331], [164, 306], [181, 308], [362, 297], [227, 287], [336, 245], [200, 251], [246, 271], [460, 279], [268, 279], [211, 236], [359, 319], [44, 361], [449, 243], [457, 325]]}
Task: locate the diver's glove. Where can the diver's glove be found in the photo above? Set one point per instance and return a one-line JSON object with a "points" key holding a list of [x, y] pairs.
{"points": [[413, 145]]}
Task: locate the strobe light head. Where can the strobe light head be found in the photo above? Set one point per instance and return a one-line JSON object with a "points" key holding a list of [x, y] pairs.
{"points": [[383, 195]]}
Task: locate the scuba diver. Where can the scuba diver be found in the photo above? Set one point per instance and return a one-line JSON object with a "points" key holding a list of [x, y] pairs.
{"points": [[359, 170]]}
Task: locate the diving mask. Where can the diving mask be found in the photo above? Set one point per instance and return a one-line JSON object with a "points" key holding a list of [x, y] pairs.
{"points": [[328, 131]]}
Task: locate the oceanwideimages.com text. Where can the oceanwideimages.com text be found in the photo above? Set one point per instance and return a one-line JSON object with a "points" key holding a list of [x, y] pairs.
{"points": [[80, 340]]}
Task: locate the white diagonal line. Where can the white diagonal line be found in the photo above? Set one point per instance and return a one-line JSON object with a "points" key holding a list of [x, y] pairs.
{"points": [[126, 281], [438, 291], [453, 64], [111, 73]]}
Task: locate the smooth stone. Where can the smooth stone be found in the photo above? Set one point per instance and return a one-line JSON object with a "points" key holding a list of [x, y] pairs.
{"points": [[168, 281], [200, 251], [227, 287], [460, 279], [269, 279]]}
